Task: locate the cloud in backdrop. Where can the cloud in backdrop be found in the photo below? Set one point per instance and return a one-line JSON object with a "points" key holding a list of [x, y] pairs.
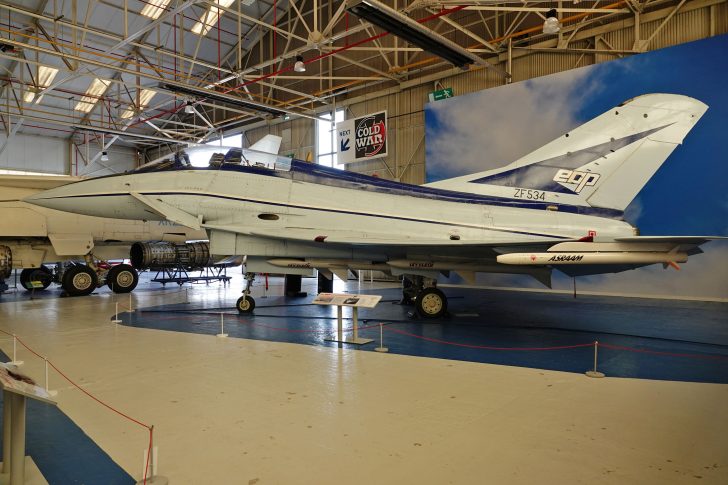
{"points": [[491, 128]]}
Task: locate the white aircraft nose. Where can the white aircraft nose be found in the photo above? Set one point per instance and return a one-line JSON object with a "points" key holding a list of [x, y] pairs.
{"points": [[79, 198]]}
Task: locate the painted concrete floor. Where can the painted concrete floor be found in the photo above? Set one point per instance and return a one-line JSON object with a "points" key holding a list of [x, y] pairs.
{"points": [[251, 411]]}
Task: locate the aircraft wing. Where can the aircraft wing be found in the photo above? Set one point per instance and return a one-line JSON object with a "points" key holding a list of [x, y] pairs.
{"points": [[360, 238]]}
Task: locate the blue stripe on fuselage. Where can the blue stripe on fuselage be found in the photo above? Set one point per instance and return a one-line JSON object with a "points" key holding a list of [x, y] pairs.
{"points": [[320, 175]]}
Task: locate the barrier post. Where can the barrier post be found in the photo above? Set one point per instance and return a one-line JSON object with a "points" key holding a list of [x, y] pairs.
{"points": [[130, 307], [52, 393], [222, 333], [116, 313], [149, 465], [381, 347], [594, 372], [15, 360], [187, 295]]}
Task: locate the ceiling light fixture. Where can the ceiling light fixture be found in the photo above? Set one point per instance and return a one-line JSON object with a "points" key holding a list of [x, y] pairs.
{"points": [[398, 24], [97, 89], [154, 8], [145, 97], [104, 156], [551, 25], [45, 78], [189, 108], [299, 66], [210, 17], [229, 100]]}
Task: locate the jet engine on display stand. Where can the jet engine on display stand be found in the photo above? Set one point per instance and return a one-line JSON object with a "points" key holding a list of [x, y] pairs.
{"points": [[174, 261]]}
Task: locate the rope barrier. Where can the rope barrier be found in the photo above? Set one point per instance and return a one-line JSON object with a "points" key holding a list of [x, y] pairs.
{"points": [[488, 347], [659, 352], [106, 405]]}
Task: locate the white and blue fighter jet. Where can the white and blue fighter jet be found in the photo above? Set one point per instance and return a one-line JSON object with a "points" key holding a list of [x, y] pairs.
{"points": [[559, 207]]}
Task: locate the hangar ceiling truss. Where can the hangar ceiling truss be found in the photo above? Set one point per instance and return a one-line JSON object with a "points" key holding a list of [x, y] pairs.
{"points": [[232, 61]]}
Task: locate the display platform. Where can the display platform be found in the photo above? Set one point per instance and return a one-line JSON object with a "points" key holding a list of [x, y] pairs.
{"points": [[638, 337]]}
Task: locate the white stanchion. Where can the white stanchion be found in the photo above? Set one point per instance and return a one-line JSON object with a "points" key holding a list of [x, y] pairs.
{"points": [[116, 313], [131, 308], [52, 393], [187, 295], [222, 333], [594, 372], [149, 468], [15, 360], [381, 347]]}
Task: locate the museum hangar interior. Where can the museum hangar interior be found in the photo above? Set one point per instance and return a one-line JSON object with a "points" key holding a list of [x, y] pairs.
{"points": [[437, 241]]}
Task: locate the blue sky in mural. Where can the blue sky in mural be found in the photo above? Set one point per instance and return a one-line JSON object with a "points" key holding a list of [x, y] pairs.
{"points": [[688, 195]]}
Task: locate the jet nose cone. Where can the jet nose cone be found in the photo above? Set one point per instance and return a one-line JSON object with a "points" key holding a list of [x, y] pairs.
{"points": [[73, 197], [46, 198]]}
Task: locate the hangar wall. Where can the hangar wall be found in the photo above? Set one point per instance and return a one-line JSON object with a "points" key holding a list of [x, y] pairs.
{"points": [[55, 155], [405, 104]]}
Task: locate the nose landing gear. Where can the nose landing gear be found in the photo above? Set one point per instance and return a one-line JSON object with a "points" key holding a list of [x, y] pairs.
{"points": [[246, 303]]}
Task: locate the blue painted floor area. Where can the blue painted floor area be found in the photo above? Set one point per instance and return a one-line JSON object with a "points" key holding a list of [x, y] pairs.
{"points": [[662, 339], [62, 451]]}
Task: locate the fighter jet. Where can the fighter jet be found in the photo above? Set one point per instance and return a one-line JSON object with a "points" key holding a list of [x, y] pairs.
{"points": [[560, 207]]}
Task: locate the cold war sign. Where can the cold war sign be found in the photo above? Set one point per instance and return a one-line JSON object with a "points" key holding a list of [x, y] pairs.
{"points": [[362, 138]]}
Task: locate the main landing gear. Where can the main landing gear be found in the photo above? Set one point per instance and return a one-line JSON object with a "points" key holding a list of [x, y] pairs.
{"points": [[83, 279], [246, 303], [429, 302]]}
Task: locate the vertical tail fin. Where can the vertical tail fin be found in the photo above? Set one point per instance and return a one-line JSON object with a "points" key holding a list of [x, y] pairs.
{"points": [[606, 161]]}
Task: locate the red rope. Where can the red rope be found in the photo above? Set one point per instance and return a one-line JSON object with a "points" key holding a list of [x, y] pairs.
{"points": [[488, 347], [658, 352]]}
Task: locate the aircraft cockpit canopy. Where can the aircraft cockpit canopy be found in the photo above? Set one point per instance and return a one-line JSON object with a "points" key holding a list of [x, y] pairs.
{"points": [[216, 157]]}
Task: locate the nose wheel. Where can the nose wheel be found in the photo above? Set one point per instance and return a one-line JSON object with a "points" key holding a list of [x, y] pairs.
{"points": [[246, 303]]}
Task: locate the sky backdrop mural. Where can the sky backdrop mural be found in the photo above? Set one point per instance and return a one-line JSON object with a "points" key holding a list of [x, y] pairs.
{"points": [[687, 196]]}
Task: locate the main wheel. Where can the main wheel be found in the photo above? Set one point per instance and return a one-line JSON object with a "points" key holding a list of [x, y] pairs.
{"points": [[42, 274], [122, 278], [431, 303], [79, 280], [245, 304]]}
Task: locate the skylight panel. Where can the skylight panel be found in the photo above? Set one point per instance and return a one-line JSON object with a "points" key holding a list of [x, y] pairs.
{"points": [[209, 18], [45, 78], [93, 93], [145, 97], [154, 8]]}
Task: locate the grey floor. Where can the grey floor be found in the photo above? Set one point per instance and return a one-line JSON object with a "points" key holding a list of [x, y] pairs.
{"points": [[253, 411]]}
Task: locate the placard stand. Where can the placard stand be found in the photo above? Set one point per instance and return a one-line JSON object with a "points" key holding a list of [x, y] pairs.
{"points": [[340, 300], [15, 394]]}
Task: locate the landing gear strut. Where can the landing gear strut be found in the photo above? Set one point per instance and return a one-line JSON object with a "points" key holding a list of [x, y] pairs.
{"points": [[246, 303]]}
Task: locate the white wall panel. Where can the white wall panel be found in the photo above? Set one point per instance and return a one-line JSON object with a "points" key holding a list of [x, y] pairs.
{"points": [[35, 153]]}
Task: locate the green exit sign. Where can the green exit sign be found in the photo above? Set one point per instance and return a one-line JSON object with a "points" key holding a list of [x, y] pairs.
{"points": [[441, 94]]}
